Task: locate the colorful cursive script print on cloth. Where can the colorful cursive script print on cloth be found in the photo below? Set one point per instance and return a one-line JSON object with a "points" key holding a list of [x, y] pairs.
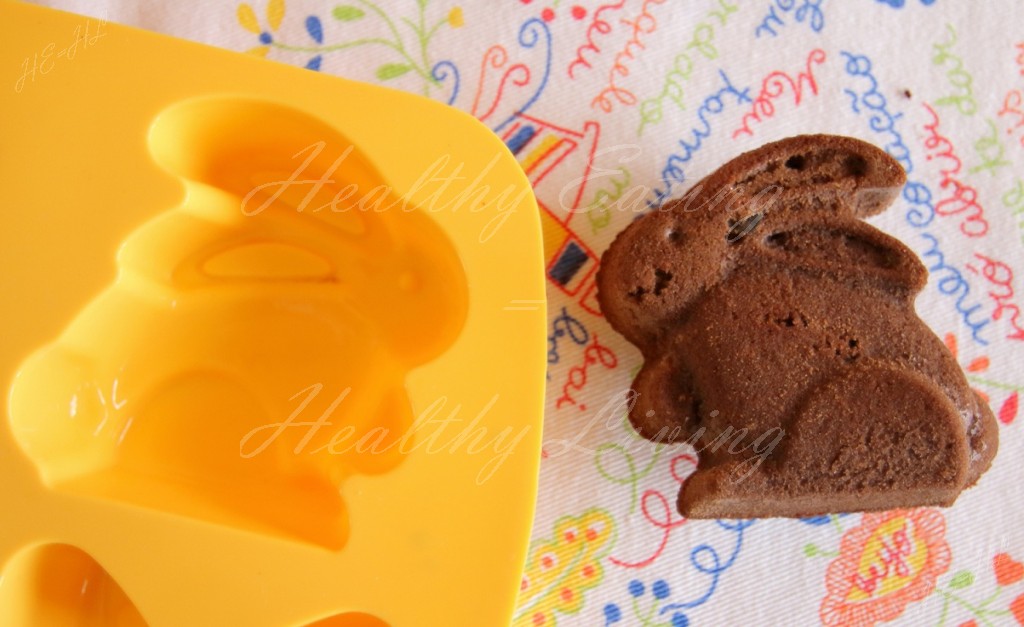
{"points": [[615, 107]]}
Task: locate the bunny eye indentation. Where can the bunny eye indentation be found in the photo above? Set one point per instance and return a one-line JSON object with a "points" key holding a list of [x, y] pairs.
{"points": [[661, 280], [780, 239], [796, 162], [672, 235], [636, 294], [855, 165]]}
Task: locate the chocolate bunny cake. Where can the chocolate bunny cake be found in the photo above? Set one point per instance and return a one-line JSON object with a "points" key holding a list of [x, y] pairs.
{"points": [[764, 305]]}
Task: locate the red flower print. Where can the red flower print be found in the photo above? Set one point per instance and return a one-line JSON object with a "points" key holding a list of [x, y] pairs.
{"points": [[1008, 570], [890, 560]]}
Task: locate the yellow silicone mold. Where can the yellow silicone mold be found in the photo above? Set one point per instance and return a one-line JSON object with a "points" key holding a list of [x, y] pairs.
{"points": [[297, 393], [240, 308]]}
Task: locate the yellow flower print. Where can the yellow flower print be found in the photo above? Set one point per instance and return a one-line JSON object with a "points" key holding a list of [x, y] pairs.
{"points": [[247, 18], [560, 569], [455, 17]]}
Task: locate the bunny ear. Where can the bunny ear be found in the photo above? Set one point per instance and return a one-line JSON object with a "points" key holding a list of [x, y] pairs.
{"points": [[815, 173], [268, 155], [656, 269], [274, 193]]}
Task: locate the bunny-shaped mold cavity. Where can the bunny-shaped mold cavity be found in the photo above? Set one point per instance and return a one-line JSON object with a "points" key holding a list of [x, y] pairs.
{"points": [[254, 335], [58, 584], [780, 339]]}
